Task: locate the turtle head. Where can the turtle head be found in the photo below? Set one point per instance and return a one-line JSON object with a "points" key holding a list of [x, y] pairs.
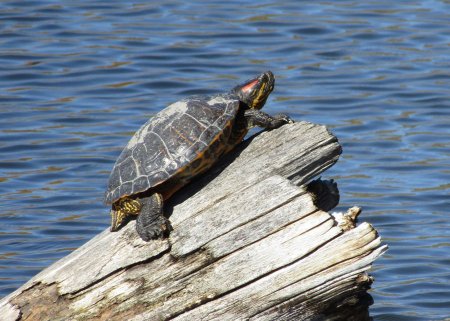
{"points": [[254, 92]]}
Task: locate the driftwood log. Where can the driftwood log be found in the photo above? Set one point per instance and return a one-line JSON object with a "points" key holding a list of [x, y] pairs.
{"points": [[251, 241]]}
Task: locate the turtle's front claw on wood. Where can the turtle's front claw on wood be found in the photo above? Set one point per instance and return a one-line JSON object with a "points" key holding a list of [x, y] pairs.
{"points": [[157, 229], [285, 118]]}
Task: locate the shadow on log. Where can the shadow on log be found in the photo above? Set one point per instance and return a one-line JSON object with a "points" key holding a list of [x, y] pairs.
{"points": [[251, 241]]}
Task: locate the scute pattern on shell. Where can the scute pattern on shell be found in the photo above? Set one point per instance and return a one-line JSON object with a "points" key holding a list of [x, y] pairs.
{"points": [[169, 142]]}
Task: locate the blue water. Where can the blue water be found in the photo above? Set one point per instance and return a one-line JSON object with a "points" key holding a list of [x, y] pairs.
{"points": [[77, 78]]}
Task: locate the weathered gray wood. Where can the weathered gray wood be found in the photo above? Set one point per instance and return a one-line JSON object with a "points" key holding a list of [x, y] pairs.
{"points": [[295, 279], [248, 243]]}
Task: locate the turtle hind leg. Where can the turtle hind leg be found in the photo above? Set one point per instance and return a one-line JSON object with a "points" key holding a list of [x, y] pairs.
{"points": [[122, 211], [151, 223]]}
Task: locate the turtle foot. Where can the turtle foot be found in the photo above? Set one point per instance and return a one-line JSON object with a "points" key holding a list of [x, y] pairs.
{"points": [[259, 118], [159, 228], [282, 119], [151, 223]]}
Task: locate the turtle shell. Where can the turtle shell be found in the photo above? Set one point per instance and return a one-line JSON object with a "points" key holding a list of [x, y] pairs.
{"points": [[179, 142]]}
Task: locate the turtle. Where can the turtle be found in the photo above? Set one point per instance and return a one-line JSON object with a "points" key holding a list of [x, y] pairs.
{"points": [[179, 143]]}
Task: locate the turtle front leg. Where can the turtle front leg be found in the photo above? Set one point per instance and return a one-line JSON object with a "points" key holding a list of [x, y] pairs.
{"points": [[151, 223], [259, 118]]}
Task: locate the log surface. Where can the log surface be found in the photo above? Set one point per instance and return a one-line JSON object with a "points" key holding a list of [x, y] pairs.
{"points": [[249, 243]]}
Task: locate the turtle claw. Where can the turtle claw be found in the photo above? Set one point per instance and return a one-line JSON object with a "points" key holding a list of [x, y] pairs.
{"points": [[284, 118], [259, 118], [160, 228], [151, 223]]}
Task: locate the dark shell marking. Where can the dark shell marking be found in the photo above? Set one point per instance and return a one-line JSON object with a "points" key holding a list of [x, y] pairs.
{"points": [[179, 142]]}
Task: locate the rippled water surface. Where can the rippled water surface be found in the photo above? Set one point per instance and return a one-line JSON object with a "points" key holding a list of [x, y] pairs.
{"points": [[77, 78]]}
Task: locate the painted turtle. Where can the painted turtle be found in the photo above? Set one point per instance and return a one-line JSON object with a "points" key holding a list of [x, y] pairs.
{"points": [[180, 142]]}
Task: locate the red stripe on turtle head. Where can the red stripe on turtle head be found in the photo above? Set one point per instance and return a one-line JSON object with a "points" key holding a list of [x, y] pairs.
{"points": [[250, 85], [254, 92]]}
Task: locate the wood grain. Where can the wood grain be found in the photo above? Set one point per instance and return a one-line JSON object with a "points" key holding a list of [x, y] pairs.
{"points": [[248, 243]]}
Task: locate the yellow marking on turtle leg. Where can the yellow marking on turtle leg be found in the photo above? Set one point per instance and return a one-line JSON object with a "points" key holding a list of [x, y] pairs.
{"points": [[121, 209], [130, 206], [117, 217]]}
